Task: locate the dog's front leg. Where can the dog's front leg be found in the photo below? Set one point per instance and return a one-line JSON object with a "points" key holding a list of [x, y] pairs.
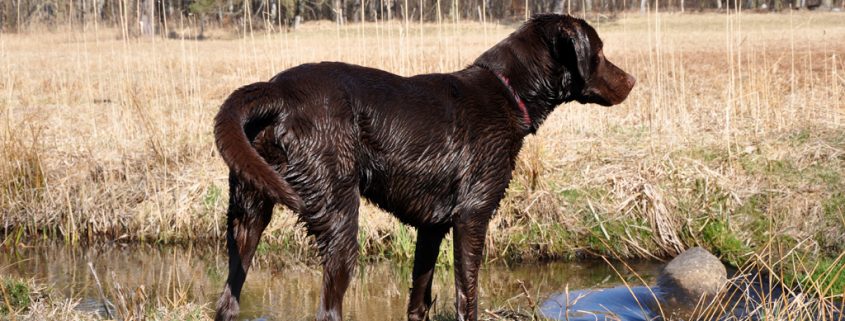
{"points": [[469, 233], [425, 259]]}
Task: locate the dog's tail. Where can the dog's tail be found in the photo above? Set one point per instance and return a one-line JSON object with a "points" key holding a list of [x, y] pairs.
{"points": [[254, 105]]}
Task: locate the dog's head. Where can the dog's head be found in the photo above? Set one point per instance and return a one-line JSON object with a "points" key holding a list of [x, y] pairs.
{"points": [[576, 46]]}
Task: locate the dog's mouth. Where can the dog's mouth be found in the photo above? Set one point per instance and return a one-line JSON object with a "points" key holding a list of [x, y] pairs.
{"points": [[591, 97], [609, 86]]}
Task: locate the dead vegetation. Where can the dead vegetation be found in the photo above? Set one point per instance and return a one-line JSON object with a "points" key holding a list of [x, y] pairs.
{"points": [[732, 139]]}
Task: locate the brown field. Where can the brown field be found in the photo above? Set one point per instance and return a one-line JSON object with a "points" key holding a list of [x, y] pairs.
{"points": [[733, 139]]}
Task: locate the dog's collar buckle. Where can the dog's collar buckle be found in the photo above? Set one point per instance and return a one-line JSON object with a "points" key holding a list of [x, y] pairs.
{"points": [[525, 117]]}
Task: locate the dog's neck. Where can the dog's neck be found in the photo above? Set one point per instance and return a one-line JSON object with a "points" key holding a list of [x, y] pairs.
{"points": [[536, 100], [526, 118], [530, 73]]}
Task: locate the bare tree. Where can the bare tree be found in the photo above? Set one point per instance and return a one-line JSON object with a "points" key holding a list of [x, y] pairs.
{"points": [[558, 6], [337, 8], [146, 21], [827, 4]]}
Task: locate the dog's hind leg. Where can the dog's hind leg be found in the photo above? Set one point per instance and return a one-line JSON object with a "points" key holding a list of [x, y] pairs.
{"points": [[337, 239], [469, 231], [249, 213], [425, 258]]}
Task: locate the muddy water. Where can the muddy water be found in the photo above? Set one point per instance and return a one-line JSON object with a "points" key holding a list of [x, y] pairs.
{"points": [[277, 289]]}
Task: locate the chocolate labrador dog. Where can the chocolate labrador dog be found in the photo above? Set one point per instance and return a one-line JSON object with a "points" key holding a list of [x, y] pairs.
{"points": [[435, 150]]}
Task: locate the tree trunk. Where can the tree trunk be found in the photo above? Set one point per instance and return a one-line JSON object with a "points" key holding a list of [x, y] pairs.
{"points": [[337, 7], [827, 4], [353, 10], [297, 18], [557, 6], [370, 10], [146, 21]]}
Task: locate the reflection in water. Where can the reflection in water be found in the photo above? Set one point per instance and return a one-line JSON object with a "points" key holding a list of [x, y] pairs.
{"points": [[618, 303], [748, 296], [280, 290]]}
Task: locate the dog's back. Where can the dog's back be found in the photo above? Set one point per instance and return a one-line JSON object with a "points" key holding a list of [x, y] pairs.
{"points": [[403, 141]]}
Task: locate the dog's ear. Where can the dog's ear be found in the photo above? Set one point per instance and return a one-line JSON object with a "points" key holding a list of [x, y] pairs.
{"points": [[581, 46], [572, 47]]}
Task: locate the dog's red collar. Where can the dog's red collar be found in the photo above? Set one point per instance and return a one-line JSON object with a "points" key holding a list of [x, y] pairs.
{"points": [[525, 117]]}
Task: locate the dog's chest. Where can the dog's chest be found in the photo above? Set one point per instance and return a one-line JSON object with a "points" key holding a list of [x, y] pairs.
{"points": [[418, 192]]}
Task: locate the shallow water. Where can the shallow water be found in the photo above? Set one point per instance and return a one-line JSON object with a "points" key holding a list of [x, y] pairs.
{"points": [[749, 295], [280, 290], [617, 303]]}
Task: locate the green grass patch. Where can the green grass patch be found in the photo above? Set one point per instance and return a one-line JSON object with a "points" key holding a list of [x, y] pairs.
{"points": [[827, 175], [707, 154], [834, 223], [16, 295], [718, 237], [403, 242], [608, 237], [754, 211], [446, 258], [758, 165], [787, 172], [538, 241], [265, 248], [212, 197], [703, 199], [576, 196], [828, 276], [799, 137], [821, 276], [834, 207]]}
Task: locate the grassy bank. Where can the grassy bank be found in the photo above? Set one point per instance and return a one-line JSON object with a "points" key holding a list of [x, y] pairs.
{"points": [[29, 300], [752, 294], [732, 139]]}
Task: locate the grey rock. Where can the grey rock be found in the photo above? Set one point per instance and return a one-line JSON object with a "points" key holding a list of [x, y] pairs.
{"points": [[692, 276]]}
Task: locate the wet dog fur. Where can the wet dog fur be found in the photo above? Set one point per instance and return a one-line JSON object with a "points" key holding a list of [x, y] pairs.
{"points": [[435, 150]]}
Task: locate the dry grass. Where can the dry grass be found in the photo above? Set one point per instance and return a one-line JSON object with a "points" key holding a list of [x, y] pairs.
{"points": [[30, 300], [732, 138]]}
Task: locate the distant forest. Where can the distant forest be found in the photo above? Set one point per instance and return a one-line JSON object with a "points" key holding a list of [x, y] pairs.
{"points": [[150, 16]]}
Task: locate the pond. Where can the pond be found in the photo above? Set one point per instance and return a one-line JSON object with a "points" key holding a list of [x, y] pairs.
{"points": [[281, 290]]}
